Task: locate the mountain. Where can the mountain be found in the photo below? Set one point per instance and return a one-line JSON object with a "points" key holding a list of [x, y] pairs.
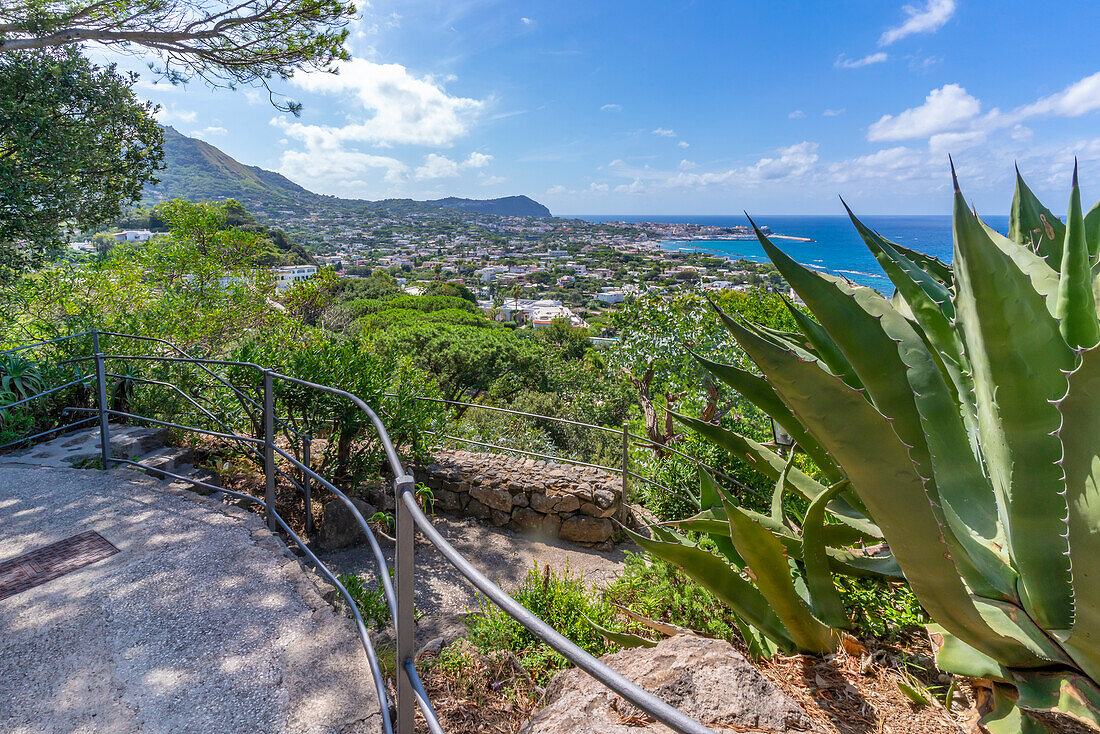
{"points": [[506, 206], [196, 170]]}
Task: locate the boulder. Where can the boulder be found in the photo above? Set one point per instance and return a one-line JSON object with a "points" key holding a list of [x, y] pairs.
{"points": [[706, 679], [585, 529], [339, 527], [529, 520]]}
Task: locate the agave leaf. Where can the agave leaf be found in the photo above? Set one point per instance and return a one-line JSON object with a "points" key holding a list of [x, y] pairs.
{"points": [[824, 596], [907, 276], [1032, 224], [1092, 232], [768, 564], [937, 269], [1043, 277], [622, 639], [757, 391], [723, 581], [1076, 309], [720, 535], [878, 465], [777, 493], [770, 465], [789, 336], [1065, 693], [1008, 718], [1020, 363], [827, 349], [760, 647], [1079, 430], [955, 656], [906, 385]]}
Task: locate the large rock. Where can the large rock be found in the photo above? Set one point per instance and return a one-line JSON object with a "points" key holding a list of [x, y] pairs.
{"points": [[706, 679], [339, 527], [498, 499], [584, 529]]}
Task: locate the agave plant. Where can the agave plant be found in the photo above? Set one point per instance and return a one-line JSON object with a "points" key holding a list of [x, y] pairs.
{"points": [[963, 414], [20, 376]]}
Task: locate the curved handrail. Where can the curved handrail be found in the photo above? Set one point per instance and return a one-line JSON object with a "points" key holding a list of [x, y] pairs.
{"points": [[410, 517]]}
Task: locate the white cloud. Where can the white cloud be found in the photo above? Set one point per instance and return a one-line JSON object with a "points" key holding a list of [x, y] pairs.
{"points": [[526, 21], [843, 62], [400, 108], [797, 115], [340, 171], [834, 113], [252, 96], [927, 19], [436, 166], [556, 189], [170, 114], [684, 144], [945, 143], [611, 108], [212, 130], [490, 180], [1081, 97], [945, 109], [664, 132], [598, 188], [686, 165], [477, 160], [898, 163], [1021, 133], [792, 162]]}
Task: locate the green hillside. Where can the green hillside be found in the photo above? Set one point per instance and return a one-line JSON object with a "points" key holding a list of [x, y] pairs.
{"points": [[198, 171]]}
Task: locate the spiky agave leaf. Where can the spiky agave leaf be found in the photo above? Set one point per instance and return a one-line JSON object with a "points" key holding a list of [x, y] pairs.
{"points": [[1020, 363], [1033, 225], [1076, 310]]}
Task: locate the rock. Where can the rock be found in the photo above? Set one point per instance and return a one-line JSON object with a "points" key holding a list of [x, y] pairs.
{"points": [[431, 647], [592, 510], [447, 500], [568, 503], [339, 527], [499, 518], [519, 500], [528, 520], [605, 498], [584, 529], [543, 503], [476, 509], [706, 679], [498, 499]]}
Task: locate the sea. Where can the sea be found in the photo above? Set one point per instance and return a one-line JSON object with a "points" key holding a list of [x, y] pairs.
{"points": [[836, 247]]}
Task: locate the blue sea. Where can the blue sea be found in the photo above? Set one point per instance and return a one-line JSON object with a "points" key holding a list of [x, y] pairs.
{"points": [[836, 248]]}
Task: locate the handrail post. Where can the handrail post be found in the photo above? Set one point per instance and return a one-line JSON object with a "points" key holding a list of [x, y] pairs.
{"points": [[101, 401], [623, 514], [307, 445], [269, 447], [406, 611]]}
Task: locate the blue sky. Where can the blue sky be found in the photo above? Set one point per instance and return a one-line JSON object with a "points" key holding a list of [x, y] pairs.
{"points": [[672, 107]]}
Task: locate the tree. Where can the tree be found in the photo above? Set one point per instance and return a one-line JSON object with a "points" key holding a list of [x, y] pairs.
{"points": [[76, 146], [224, 43]]}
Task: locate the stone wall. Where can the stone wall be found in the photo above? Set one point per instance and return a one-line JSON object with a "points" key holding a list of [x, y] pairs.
{"points": [[559, 500]]}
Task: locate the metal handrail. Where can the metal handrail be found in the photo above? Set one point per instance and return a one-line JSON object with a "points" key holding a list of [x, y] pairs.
{"points": [[410, 690]]}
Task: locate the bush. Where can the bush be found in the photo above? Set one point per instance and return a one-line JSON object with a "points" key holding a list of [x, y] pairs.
{"points": [[562, 601]]}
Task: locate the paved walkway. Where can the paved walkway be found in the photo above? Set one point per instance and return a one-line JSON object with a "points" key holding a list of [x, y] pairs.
{"points": [[202, 622]]}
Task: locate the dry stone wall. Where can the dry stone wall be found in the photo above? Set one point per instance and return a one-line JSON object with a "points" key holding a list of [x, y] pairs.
{"points": [[558, 500]]}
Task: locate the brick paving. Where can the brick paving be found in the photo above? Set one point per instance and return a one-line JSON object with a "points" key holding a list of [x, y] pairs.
{"points": [[57, 559]]}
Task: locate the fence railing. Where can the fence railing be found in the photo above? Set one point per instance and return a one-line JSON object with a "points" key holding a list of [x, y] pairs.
{"points": [[623, 469], [398, 592]]}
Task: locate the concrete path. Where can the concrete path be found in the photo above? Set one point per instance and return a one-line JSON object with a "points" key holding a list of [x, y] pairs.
{"points": [[202, 622]]}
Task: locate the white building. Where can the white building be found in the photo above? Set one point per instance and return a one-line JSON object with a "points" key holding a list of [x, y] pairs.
{"points": [[291, 274], [610, 297], [133, 235]]}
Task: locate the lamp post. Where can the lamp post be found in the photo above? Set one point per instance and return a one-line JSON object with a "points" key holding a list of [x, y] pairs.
{"points": [[783, 440]]}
